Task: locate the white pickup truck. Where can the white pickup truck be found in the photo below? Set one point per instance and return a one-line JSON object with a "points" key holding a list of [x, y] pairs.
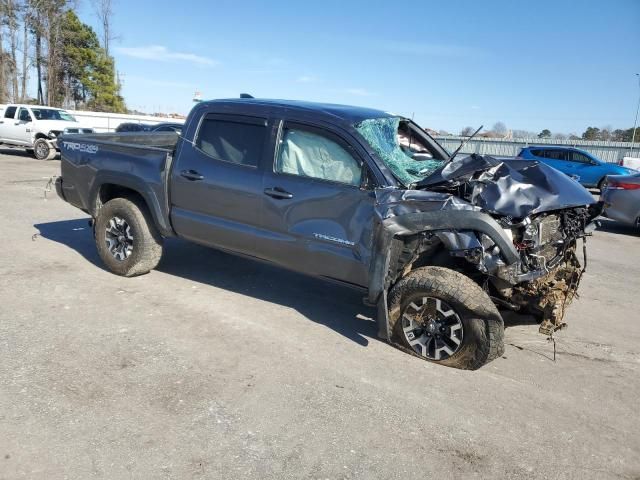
{"points": [[36, 128]]}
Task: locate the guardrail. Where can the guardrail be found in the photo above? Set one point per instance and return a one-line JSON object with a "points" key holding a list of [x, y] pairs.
{"points": [[611, 152], [108, 122]]}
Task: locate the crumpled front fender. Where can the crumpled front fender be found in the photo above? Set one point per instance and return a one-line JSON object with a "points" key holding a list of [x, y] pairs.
{"points": [[439, 221]]}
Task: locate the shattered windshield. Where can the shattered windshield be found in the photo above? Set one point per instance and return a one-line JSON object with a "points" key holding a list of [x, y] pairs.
{"points": [[403, 152]]}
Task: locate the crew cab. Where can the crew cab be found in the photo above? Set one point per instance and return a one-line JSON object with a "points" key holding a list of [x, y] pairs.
{"points": [[36, 128], [352, 195]]}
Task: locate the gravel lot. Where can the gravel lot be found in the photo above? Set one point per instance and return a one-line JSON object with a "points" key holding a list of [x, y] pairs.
{"points": [[220, 367]]}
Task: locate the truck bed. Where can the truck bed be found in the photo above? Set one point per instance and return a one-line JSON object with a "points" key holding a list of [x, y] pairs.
{"points": [[139, 161], [160, 140]]}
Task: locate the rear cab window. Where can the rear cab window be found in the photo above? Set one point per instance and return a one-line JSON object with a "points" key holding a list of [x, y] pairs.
{"points": [[233, 139]]}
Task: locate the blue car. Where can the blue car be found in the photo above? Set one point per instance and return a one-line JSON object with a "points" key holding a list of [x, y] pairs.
{"points": [[581, 165]]}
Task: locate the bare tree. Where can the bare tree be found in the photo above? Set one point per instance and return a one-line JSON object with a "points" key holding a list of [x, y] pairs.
{"points": [[12, 22], [606, 132], [25, 56], [34, 19], [3, 78], [466, 131], [104, 12], [499, 128]]}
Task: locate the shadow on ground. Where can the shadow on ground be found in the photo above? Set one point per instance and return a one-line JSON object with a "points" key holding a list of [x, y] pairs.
{"points": [[337, 307], [16, 152], [19, 152], [334, 306]]}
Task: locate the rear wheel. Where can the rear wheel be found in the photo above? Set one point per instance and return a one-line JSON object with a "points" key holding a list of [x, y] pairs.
{"points": [[126, 237], [445, 317], [601, 183]]}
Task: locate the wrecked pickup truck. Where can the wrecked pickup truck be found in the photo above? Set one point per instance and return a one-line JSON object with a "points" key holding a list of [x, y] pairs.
{"points": [[354, 195]]}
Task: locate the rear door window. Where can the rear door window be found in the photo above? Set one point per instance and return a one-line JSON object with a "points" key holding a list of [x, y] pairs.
{"points": [[238, 140], [10, 112], [579, 157]]}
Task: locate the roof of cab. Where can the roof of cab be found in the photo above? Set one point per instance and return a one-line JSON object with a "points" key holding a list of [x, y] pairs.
{"points": [[345, 113]]}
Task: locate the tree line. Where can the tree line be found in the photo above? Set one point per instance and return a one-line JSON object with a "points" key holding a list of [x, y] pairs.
{"points": [[499, 130], [47, 50]]}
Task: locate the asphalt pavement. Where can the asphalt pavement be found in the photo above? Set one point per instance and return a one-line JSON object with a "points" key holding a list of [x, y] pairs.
{"points": [[215, 366]]}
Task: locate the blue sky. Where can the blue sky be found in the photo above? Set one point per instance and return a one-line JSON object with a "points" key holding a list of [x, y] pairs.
{"points": [[562, 65]]}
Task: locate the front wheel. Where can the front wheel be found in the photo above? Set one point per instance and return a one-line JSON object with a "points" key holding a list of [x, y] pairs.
{"points": [[42, 150], [445, 317], [126, 237]]}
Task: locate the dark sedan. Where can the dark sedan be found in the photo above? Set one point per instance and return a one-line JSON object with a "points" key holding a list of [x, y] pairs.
{"points": [[145, 127]]}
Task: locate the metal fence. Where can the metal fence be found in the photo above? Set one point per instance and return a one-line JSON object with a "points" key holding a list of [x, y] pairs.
{"points": [[610, 152]]}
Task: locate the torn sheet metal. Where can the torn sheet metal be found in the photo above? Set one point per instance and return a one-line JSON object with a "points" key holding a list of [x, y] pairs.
{"points": [[479, 209], [515, 188]]}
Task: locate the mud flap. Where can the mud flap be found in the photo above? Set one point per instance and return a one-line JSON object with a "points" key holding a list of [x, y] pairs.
{"points": [[384, 332]]}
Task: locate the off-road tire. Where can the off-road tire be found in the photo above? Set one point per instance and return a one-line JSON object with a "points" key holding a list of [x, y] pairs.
{"points": [[147, 241], [42, 150], [483, 327]]}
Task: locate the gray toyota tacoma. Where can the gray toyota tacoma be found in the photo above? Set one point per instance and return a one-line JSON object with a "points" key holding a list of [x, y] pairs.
{"points": [[353, 195]]}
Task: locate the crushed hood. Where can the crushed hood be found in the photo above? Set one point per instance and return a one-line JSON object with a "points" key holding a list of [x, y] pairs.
{"points": [[517, 188]]}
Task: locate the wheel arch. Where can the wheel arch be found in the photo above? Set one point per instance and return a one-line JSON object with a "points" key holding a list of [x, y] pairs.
{"points": [[108, 187], [394, 234]]}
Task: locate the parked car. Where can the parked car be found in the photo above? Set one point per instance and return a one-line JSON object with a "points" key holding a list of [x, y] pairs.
{"points": [[621, 198], [630, 162], [36, 128], [583, 166], [167, 127], [144, 127], [132, 127], [329, 191]]}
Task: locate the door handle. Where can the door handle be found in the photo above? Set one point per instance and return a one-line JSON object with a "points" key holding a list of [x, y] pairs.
{"points": [[191, 175], [278, 192]]}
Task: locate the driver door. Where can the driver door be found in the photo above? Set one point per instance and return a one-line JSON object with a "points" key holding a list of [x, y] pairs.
{"points": [[585, 168], [21, 128]]}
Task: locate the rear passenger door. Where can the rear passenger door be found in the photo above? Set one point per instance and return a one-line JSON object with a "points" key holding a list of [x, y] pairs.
{"points": [[7, 124], [318, 211], [216, 184], [556, 158]]}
